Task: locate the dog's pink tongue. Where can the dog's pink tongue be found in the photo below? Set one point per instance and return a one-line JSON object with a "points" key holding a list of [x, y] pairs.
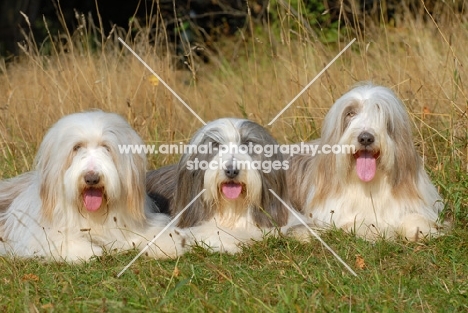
{"points": [[365, 166], [92, 198], [232, 190]]}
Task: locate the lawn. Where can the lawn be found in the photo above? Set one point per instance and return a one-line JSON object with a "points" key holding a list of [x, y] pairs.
{"points": [[253, 75]]}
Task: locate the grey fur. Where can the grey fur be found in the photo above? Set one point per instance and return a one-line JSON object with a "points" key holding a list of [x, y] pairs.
{"points": [[178, 186]]}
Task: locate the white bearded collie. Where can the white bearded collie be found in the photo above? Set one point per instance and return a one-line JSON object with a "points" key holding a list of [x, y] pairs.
{"points": [[236, 205], [378, 190], [84, 196]]}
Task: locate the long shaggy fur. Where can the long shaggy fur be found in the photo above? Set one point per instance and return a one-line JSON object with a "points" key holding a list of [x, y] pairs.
{"points": [[84, 196], [214, 219], [10, 189], [332, 189]]}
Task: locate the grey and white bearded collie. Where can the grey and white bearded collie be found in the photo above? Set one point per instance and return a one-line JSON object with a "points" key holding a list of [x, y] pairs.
{"points": [[236, 206]]}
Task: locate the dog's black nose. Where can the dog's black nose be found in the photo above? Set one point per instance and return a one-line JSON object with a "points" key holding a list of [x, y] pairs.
{"points": [[366, 138], [231, 172], [91, 178]]}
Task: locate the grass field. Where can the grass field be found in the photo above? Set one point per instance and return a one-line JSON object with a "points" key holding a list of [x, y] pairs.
{"points": [[253, 75]]}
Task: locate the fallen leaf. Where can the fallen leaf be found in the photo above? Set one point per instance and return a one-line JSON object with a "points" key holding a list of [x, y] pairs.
{"points": [[30, 277], [360, 263], [153, 80], [426, 111], [47, 306]]}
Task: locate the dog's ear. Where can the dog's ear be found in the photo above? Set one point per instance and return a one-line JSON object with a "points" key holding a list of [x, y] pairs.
{"points": [[404, 162], [131, 166], [50, 167], [134, 182], [407, 164], [48, 194], [271, 212], [189, 184], [323, 175]]}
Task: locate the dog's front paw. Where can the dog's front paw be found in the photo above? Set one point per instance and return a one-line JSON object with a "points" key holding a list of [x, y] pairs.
{"points": [[416, 227], [172, 243]]}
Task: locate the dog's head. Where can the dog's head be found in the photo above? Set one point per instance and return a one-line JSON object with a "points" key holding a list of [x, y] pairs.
{"points": [[374, 121], [81, 165], [226, 161]]}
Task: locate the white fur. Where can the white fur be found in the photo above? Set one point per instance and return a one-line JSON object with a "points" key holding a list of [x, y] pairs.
{"points": [[48, 218], [373, 211], [399, 201], [221, 234]]}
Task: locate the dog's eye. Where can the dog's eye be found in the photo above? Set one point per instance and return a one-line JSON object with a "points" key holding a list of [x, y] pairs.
{"points": [[77, 147], [215, 144], [347, 118], [106, 147]]}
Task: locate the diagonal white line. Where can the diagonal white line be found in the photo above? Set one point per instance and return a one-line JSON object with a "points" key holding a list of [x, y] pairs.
{"points": [[312, 81], [161, 80], [315, 234], [160, 233]]}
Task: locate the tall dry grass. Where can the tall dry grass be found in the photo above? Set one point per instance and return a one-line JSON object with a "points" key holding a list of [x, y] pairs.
{"points": [[252, 75]]}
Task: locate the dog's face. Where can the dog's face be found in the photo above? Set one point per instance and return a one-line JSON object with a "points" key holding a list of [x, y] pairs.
{"points": [[230, 175], [231, 171], [374, 121], [93, 170], [363, 129], [81, 165]]}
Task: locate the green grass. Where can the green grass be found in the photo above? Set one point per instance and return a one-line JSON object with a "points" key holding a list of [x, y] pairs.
{"points": [[275, 275]]}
